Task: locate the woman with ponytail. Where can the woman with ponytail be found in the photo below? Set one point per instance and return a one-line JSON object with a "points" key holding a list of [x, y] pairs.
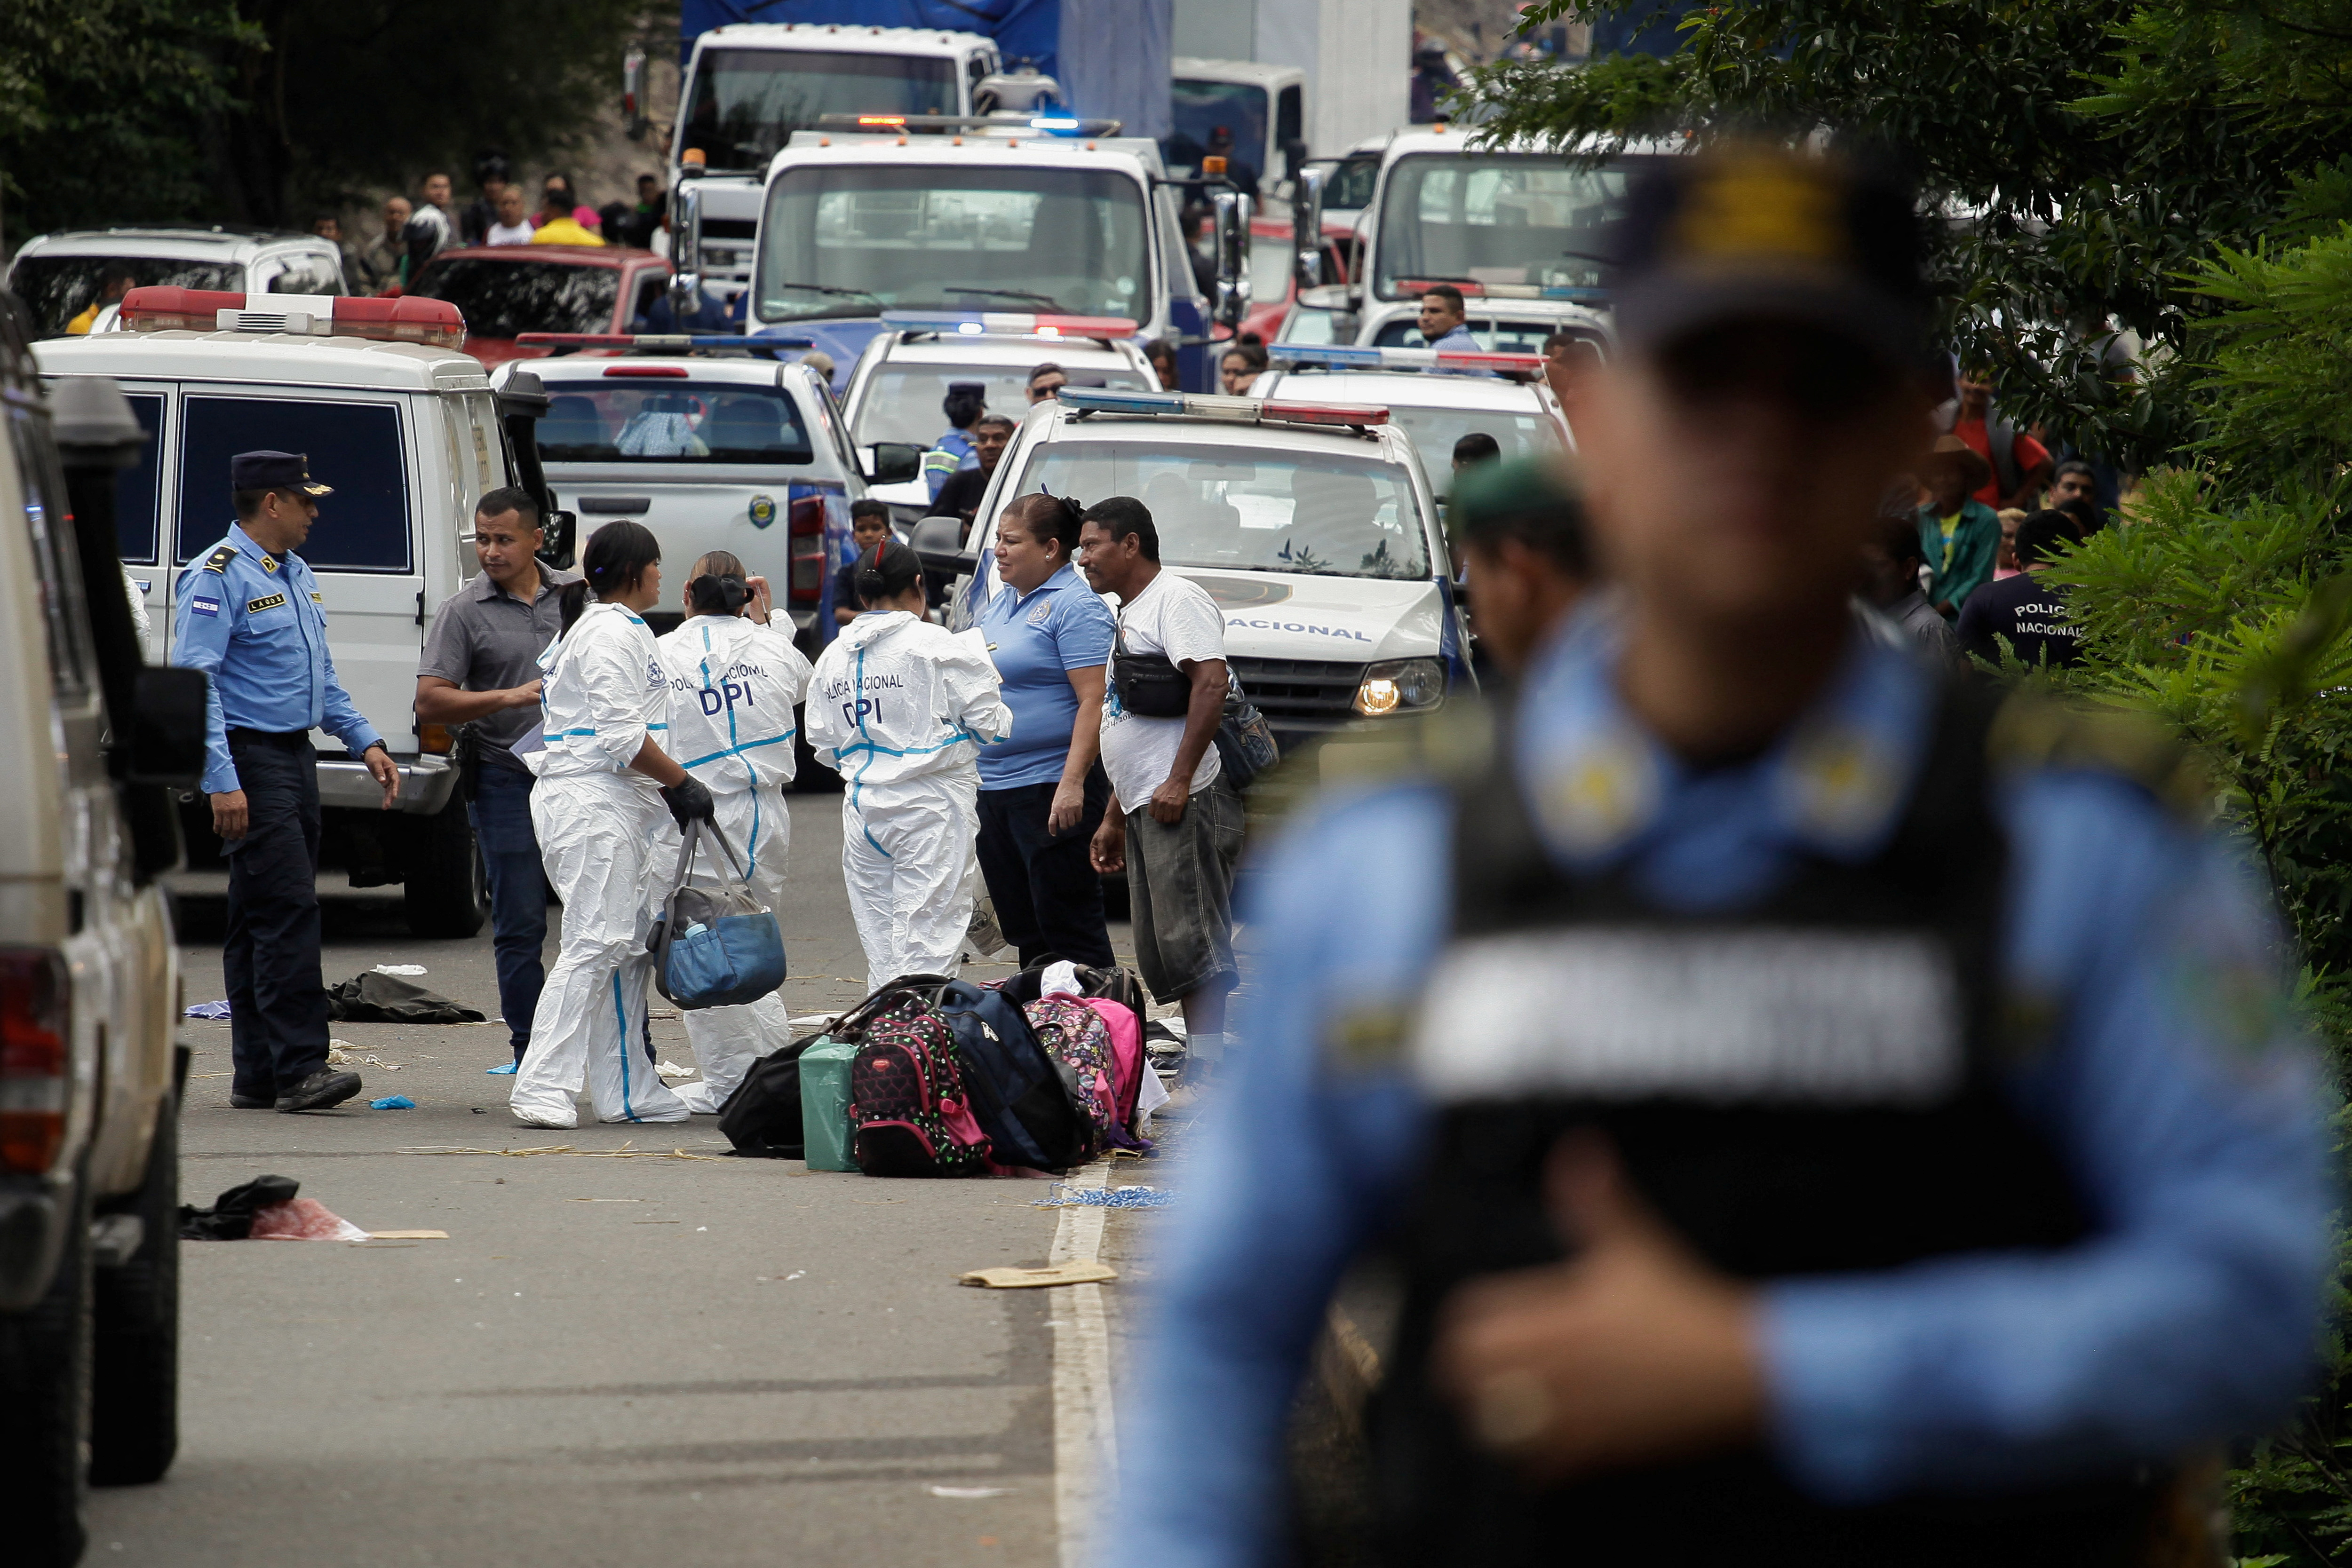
{"points": [[605, 791], [734, 677], [901, 708]]}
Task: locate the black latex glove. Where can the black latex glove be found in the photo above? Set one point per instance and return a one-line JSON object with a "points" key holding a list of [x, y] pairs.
{"points": [[688, 801]]}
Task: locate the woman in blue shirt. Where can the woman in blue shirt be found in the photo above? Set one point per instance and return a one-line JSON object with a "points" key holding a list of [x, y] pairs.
{"points": [[1042, 791]]}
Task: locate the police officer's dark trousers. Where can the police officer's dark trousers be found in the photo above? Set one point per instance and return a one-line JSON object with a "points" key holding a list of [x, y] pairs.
{"points": [[277, 1006]]}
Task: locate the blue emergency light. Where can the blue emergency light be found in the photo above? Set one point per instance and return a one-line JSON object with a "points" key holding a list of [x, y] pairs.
{"points": [[1358, 357], [1009, 323]]}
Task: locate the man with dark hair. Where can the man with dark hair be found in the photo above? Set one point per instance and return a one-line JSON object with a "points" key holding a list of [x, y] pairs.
{"points": [[1525, 556], [249, 613], [1473, 449], [1046, 381], [1809, 1113], [1173, 822], [869, 525], [1566, 353], [480, 669], [1442, 319], [481, 213], [960, 497], [2075, 489], [432, 228], [1891, 561], [2027, 611], [2017, 466]]}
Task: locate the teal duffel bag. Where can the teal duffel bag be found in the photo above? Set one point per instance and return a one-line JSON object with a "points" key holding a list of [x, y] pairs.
{"points": [[715, 947]]}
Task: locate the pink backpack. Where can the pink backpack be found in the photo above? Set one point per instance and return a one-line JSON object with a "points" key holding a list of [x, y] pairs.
{"points": [[1127, 1053], [907, 1107]]}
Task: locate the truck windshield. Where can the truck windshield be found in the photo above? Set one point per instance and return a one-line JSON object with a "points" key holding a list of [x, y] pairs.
{"points": [[1226, 117], [904, 401], [743, 105], [501, 299], [933, 237], [59, 288], [670, 421], [1508, 218], [1240, 509]]}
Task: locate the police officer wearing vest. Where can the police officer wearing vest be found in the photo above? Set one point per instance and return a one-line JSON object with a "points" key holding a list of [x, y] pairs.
{"points": [[1817, 1115], [249, 614]]}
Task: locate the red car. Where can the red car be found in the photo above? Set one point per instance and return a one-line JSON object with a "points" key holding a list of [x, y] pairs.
{"points": [[505, 289], [1273, 282]]}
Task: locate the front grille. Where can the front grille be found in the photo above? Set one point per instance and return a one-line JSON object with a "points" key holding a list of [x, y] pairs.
{"points": [[731, 228], [1301, 693]]}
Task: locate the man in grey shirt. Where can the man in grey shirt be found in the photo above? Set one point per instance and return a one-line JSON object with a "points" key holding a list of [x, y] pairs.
{"points": [[481, 667], [1890, 585]]}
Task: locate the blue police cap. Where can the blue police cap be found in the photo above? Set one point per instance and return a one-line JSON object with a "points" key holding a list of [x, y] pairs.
{"points": [[274, 470], [1754, 231]]}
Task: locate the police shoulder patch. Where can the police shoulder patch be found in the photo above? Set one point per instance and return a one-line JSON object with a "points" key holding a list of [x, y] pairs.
{"points": [[2032, 733], [270, 602], [218, 561], [269, 563]]}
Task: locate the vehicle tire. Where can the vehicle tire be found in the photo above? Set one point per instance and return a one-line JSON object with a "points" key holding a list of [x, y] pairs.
{"points": [[446, 891], [45, 1391], [810, 775], [134, 1421]]}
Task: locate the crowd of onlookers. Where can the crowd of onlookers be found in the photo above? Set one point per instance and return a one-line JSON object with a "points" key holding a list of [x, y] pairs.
{"points": [[503, 212]]}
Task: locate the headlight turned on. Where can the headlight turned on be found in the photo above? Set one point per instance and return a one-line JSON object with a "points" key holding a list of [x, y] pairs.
{"points": [[1401, 686]]}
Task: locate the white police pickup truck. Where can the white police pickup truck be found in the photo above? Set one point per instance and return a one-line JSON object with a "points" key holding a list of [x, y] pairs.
{"points": [[719, 450], [409, 433], [900, 381], [1438, 397], [1311, 524]]}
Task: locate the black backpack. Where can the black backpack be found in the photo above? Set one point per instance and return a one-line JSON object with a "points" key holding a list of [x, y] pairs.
{"points": [[763, 1117], [1023, 1100]]}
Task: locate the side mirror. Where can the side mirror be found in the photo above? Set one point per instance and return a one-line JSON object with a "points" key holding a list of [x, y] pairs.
{"points": [[562, 534], [167, 726], [893, 463], [1232, 237], [1306, 227], [938, 543], [686, 251], [1293, 157]]}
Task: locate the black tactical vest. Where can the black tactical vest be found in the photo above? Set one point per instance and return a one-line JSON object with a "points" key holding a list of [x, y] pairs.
{"points": [[1807, 1086]]}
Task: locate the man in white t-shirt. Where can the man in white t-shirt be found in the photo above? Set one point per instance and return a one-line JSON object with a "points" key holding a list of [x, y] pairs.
{"points": [[513, 226], [1173, 822]]}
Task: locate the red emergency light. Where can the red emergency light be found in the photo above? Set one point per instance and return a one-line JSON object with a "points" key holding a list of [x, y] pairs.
{"points": [[628, 369], [1479, 359], [410, 320], [1322, 412]]}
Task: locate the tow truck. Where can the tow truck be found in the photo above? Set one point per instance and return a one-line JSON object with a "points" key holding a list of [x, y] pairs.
{"points": [[1439, 396], [901, 381], [1046, 214], [1311, 524]]}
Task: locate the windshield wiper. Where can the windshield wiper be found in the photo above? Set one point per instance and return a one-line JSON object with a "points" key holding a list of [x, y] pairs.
{"points": [[1046, 299], [829, 288]]}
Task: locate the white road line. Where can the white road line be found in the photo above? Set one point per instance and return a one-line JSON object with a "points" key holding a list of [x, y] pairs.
{"points": [[1086, 1440]]}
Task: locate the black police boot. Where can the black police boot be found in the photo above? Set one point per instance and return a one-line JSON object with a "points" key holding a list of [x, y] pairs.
{"points": [[252, 1102], [321, 1089]]}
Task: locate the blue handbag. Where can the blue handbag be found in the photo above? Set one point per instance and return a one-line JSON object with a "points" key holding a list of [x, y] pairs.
{"points": [[715, 947]]}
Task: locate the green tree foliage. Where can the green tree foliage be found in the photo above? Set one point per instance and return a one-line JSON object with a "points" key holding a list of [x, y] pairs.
{"points": [[259, 110]]}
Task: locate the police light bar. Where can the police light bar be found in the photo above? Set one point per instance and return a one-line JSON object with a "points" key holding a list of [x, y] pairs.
{"points": [[1339, 356], [1583, 294], [411, 319], [1205, 405], [1007, 323], [659, 342], [1050, 125]]}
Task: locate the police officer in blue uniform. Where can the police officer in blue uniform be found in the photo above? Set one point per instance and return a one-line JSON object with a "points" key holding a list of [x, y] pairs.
{"points": [[249, 614], [1818, 1113]]}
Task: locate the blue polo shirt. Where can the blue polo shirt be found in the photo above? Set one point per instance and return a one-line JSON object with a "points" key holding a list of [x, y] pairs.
{"points": [[1036, 640]]}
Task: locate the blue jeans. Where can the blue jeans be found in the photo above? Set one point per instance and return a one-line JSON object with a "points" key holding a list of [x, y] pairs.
{"points": [[500, 810]]}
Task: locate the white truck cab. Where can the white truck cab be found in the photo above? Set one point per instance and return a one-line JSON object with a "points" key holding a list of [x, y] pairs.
{"points": [[59, 276], [901, 381], [751, 85], [409, 432], [1310, 524], [1516, 227], [1250, 113], [733, 452], [1036, 215], [1437, 398]]}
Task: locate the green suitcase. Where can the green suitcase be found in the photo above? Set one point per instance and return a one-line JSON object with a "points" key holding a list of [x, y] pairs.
{"points": [[824, 1104]]}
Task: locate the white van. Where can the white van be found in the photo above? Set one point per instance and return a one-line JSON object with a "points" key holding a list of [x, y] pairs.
{"points": [[1310, 524], [90, 982], [410, 436], [59, 275]]}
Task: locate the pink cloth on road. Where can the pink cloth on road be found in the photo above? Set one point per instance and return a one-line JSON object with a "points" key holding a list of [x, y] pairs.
{"points": [[304, 1220]]}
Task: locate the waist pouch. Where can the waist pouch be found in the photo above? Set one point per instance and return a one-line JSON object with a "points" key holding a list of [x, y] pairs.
{"points": [[1149, 684], [715, 947]]}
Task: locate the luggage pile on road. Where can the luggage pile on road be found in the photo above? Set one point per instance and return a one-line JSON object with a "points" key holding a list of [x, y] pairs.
{"points": [[933, 1076]]}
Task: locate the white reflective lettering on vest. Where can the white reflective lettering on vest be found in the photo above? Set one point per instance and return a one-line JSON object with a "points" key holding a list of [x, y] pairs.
{"points": [[1771, 1015]]}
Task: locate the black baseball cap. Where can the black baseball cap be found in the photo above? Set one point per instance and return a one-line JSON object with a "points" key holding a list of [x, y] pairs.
{"points": [[274, 471], [1751, 231]]}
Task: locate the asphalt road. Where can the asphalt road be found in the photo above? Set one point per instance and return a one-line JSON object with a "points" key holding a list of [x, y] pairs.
{"points": [[637, 1349]]}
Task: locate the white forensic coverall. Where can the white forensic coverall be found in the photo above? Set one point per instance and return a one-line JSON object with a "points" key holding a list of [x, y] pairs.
{"points": [[901, 708], [732, 684], [600, 829]]}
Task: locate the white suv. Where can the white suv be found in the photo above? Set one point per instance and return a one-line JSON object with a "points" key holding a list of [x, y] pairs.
{"points": [[59, 275]]}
